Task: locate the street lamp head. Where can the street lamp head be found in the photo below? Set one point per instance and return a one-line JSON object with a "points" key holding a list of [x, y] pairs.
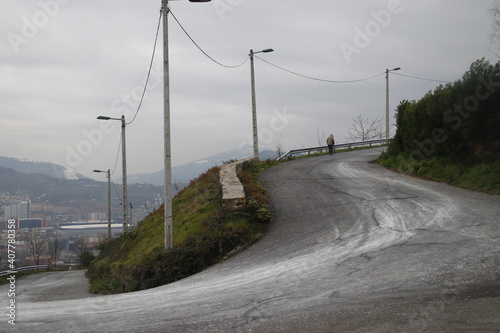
{"points": [[396, 69], [103, 118], [261, 51], [200, 0], [98, 171]]}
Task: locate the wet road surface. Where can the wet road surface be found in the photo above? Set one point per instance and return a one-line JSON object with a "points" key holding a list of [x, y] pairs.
{"points": [[352, 247]]}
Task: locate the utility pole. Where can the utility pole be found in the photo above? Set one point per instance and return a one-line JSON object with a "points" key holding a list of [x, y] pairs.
{"points": [[254, 104], [254, 111], [387, 131], [124, 169], [169, 237], [387, 103], [168, 242], [108, 174], [124, 177]]}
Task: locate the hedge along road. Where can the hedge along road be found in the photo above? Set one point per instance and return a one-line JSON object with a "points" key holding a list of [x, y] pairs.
{"points": [[352, 247]]}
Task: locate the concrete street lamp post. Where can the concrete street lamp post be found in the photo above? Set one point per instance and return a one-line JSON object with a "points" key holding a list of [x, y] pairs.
{"points": [[387, 131], [254, 106], [108, 175], [168, 243], [124, 170]]}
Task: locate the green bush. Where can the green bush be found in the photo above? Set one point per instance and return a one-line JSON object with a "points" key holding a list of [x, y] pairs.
{"points": [[452, 135], [85, 259]]}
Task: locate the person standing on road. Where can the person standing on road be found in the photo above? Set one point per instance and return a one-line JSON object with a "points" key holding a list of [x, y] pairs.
{"points": [[330, 141]]}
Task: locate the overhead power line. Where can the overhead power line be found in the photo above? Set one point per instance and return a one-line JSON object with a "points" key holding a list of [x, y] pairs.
{"points": [[319, 79], [246, 59], [116, 191], [149, 71], [202, 51], [347, 81], [420, 78], [117, 155]]}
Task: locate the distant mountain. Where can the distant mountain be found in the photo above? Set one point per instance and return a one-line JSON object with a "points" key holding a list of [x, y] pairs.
{"points": [[86, 192], [184, 173], [51, 183], [32, 167], [181, 174]]}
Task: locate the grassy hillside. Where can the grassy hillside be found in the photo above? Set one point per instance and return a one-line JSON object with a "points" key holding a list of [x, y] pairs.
{"points": [[204, 233], [483, 176]]}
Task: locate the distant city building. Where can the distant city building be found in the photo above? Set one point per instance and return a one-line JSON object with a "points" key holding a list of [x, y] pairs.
{"points": [[31, 223], [98, 216], [17, 211], [43, 260], [67, 230]]}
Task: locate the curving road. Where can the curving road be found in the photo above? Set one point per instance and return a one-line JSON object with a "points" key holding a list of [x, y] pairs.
{"points": [[352, 247]]}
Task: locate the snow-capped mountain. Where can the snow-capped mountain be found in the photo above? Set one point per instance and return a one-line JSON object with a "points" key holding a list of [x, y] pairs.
{"points": [[184, 173], [25, 165]]}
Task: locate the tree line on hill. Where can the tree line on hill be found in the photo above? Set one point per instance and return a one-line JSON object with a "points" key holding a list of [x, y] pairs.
{"points": [[457, 124], [459, 121]]}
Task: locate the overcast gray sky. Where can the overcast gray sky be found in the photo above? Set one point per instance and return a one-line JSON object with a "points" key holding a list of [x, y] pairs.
{"points": [[65, 62]]}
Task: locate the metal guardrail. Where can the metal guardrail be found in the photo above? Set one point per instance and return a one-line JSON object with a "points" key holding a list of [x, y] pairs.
{"points": [[308, 151], [23, 269]]}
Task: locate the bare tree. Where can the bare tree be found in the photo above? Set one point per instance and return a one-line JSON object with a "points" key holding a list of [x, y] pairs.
{"points": [[380, 130], [102, 237], [4, 264], [364, 129], [495, 24], [279, 147], [81, 243], [321, 138], [54, 249], [178, 185], [36, 242], [81, 249]]}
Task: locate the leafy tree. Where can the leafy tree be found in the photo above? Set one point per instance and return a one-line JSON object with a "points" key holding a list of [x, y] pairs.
{"points": [[398, 143], [86, 258], [459, 121]]}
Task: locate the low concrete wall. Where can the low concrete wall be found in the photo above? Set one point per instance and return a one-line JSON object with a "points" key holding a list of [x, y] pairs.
{"points": [[233, 194]]}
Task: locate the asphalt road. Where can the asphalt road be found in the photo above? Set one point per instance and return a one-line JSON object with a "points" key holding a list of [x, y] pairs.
{"points": [[51, 286], [352, 247]]}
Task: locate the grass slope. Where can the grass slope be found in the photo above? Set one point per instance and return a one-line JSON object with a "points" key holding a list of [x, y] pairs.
{"points": [[204, 233], [483, 176]]}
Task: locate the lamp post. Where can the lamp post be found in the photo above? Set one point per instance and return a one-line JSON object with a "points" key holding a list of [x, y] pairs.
{"points": [[387, 131], [108, 175], [124, 170], [168, 242], [254, 106]]}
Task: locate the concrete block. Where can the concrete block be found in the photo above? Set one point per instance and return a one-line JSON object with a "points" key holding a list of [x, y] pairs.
{"points": [[233, 194]]}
